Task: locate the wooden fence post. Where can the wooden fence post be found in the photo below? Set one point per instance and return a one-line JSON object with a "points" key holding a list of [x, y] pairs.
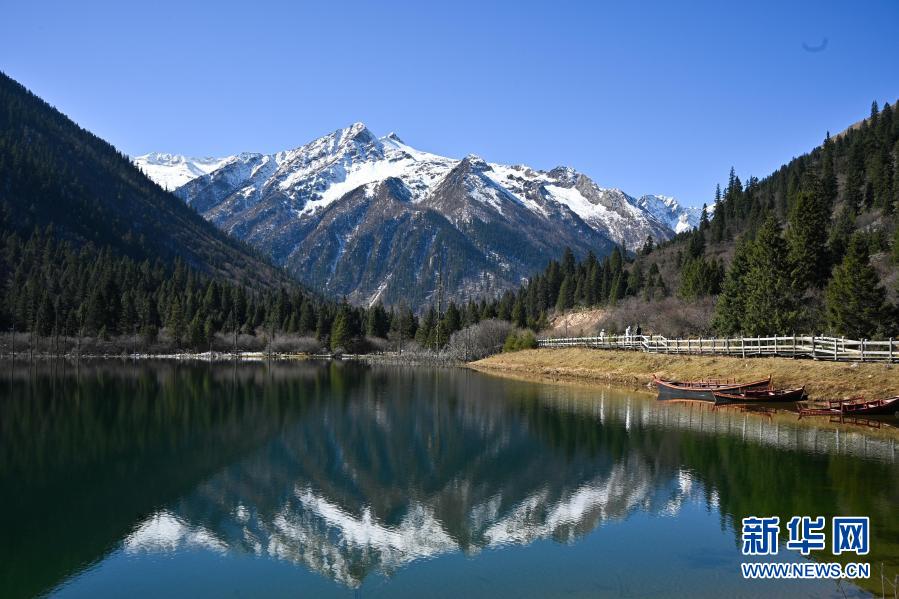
{"points": [[775, 344], [891, 350], [743, 346], [814, 355], [863, 349]]}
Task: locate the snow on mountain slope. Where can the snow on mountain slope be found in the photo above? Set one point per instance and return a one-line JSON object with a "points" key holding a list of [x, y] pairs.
{"points": [[171, 171], [326, 169], [315, 175], [300, 203], [667, 210]]}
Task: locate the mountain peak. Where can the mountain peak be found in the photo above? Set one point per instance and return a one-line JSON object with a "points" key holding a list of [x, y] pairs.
{"points": [[358, 132], [476, 163]]}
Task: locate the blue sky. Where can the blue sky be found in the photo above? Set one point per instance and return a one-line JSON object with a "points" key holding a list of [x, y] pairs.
{"points": [[652, 98]]}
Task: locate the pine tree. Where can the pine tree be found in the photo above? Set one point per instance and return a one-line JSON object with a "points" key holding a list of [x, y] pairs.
{"points": [[828, 175], [855, 300], [566, 295], [452, 321], [341, 328], [568, 263], [425, 332], [635, 279], [176, 324], [404, 324], [807, 239], [519, 316], [307, 317], [377, 324], [617, 289], [700, 278], [45, 317], [771, 301], [323, 325], [209, 328], [195, 334], [731, 306], [653, 279], [697, 244]]}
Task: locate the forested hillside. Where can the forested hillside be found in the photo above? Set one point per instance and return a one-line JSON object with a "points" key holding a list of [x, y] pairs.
{"points": [[53, 172], [813, 247]]}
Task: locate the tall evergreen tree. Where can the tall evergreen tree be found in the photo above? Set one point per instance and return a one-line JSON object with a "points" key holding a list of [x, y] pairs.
{"points": [[730, 309], [771, 302], [855, 299], [829, 185], [807, 239], [176, 323], [452, 320], [342, 329], [696, 248], [377, 323], [565, 300]]}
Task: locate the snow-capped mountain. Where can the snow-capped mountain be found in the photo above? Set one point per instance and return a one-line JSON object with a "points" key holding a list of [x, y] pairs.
{"points": [[667, 210], [374, 218], [171, 171]]}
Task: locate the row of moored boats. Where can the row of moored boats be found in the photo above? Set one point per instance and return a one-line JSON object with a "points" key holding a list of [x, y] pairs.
{"points": [[720, 391]]}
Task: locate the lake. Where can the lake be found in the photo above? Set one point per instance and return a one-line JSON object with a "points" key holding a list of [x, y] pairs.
{"points": [[159, 479]]}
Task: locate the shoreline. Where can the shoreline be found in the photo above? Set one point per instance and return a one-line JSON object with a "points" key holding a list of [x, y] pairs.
{"points": [[635, 369], [248, 356], [390, 358]]}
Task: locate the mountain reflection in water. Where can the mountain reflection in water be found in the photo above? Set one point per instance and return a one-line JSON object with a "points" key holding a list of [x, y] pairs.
{"points": [[351, 470]]}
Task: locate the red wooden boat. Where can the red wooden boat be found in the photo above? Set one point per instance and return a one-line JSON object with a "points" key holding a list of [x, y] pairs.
{"points": [[704, 389], [857, 406], [760, 395]]}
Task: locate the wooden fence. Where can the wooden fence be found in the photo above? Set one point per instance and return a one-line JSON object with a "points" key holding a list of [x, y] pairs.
{"points": [[792, 346]]}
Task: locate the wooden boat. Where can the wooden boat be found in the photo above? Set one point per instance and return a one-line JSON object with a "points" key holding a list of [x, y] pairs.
{"points": [[856, 406], [760, 395], [703, 390]]}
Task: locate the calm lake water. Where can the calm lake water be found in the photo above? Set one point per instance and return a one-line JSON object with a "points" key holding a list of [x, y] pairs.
{"points": [[339, 479]]}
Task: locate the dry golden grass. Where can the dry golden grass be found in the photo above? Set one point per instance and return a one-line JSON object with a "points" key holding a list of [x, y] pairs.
{"points": [[821, 379]]}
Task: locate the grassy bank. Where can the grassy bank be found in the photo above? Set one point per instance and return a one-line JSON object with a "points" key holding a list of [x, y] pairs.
{"points": [[635, 369]]}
